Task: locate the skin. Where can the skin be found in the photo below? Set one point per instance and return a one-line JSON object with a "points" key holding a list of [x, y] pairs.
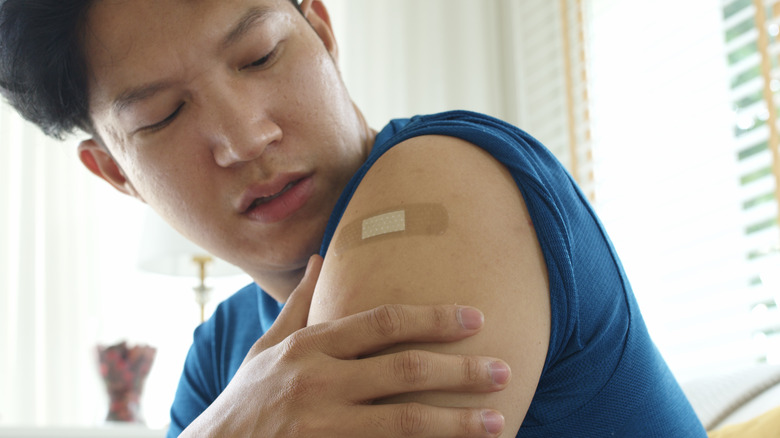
{"points": [[488, 258], [293, 111], [221, 118]]}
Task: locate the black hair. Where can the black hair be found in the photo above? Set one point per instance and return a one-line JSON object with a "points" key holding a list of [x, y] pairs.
{"points": [[42, 67], [43, 72]]}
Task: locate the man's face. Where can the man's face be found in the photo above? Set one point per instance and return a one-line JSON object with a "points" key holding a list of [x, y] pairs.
{"points": [[229, 118]]}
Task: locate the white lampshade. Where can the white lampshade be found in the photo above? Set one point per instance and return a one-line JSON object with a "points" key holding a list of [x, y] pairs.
{"points": [[164, 251]]}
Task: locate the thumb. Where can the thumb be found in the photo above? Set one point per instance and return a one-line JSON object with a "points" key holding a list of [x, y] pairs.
{"points": [[296, 311]]}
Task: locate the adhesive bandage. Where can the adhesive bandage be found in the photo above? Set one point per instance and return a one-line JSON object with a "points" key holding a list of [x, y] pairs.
{"points": [[407, 220]]}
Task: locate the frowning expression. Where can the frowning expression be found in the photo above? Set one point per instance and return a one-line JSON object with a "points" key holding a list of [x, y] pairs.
{"points": [[228, 117]]}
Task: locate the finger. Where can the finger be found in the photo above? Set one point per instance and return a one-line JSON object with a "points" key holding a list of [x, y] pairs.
{"points": [[416, 370], [376, 329], [418, 420], [295, 312]]}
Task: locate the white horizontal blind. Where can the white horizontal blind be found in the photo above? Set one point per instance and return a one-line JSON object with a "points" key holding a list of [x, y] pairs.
{"points": [[541, 70], [579, 130], [405, 57], [506, 58], [547, 79], [667, 185], [751, 32]]}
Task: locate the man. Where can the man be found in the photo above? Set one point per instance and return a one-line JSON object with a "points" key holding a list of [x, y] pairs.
{"points": [[230, 119]]}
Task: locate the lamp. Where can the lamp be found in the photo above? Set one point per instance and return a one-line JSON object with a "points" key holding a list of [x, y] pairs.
{"points": [[164, 251]]}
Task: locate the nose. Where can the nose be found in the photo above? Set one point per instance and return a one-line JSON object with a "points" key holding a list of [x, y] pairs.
{"points": [[241, 132], [245, 142]]}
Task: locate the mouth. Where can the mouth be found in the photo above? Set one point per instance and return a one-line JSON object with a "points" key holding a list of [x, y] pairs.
{"points": [[266, 199], [277, 200]]}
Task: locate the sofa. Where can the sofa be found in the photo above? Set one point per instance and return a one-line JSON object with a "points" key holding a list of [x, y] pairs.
{"points": [[736, 398]]}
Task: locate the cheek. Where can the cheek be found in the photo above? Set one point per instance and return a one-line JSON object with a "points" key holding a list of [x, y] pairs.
{"points": [[315, 83], [166, 182], [326, 110], [178, 201]]}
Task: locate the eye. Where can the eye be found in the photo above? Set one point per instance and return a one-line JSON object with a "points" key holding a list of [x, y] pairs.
{"points": [[165, 122], [262, 62]]}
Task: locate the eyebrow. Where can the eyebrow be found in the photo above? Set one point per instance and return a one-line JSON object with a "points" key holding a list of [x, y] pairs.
{"points": [[250, 19], [133, 95]]}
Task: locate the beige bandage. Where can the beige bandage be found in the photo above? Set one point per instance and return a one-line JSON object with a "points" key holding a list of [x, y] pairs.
{"points": [[407, 220]]}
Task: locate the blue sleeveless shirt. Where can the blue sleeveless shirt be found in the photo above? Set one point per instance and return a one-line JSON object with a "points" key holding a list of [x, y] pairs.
{"points": [[603, 376]]}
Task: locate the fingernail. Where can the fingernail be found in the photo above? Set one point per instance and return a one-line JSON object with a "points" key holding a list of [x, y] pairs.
{"points": [[499, 371], [493, 422], [470, 318], [309, 265]]}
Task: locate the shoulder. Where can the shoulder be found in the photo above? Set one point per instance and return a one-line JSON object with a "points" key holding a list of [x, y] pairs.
{"points": [[486, 254], [537, 173], [487, 218]]}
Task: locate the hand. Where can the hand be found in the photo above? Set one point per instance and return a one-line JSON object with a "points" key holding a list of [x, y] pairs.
{"points": [[300, 381]]}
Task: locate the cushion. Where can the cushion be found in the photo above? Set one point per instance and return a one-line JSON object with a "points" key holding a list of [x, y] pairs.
{"points": [[766, 425]]}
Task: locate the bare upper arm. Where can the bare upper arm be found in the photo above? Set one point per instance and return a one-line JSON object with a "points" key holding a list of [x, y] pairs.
{"points": [[488, 257]]}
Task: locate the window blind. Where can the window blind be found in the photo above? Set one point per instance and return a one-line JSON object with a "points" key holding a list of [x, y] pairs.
{"points": [[668, 177], [751, 40]]}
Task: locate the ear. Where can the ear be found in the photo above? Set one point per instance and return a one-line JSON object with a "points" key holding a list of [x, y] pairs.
{"points": [[317, 14], [97, 159]]}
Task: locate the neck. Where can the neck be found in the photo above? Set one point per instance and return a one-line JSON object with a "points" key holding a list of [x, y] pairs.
{"points": [[280, 285]]}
